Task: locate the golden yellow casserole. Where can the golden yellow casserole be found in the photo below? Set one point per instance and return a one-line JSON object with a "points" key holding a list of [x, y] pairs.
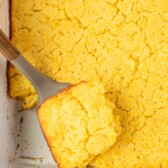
{"points": [[121, 43], [79, 124]]}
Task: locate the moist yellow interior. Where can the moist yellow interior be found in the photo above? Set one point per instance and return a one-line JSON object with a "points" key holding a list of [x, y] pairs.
{"points": [[79, 124], [121, 43]]}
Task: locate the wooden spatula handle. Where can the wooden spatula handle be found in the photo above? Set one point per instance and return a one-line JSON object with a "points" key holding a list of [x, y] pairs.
{"points": [[7, 48]]}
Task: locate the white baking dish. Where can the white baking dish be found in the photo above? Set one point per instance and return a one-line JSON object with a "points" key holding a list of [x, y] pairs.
{"points": [[22, 144]]}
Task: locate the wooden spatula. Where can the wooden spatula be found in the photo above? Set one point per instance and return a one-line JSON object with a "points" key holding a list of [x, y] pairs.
{"points": [[44, 86]]}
